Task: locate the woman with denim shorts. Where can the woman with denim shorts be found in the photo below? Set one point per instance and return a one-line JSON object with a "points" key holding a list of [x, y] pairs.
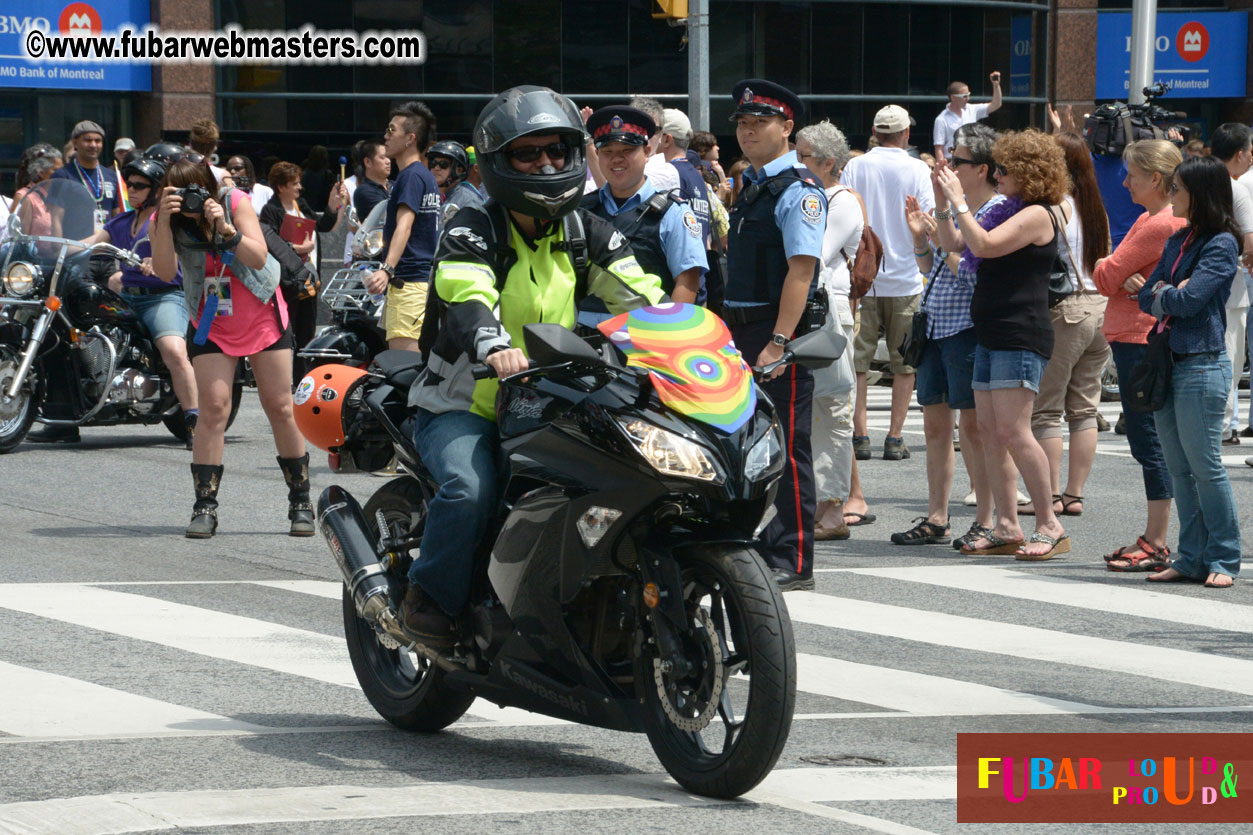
{"points": [[1014, 247], [1187, 293], [1151, 164], [160, 306]]}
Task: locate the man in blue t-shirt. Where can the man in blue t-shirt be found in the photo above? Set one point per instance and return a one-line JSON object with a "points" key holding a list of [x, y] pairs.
{"points": [[101, 181], [412, 227], [1110, 173]]}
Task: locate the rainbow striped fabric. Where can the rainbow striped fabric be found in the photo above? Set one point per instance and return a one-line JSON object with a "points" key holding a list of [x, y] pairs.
{"points": [[691, 359]]}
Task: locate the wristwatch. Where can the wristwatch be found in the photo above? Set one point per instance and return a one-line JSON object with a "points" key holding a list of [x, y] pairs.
{"points": [[779, 339], [389, 269], [960, 209]]}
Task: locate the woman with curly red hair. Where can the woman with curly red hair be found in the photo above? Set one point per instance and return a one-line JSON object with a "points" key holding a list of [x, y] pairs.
{"points": [[1013, 248]]}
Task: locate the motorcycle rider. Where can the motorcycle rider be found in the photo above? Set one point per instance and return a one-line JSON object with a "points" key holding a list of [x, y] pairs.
{"points": [[529, 143], [450, 163]]}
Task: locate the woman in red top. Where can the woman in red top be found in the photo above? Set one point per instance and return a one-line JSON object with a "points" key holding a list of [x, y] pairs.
{"points": [[1150, 165], [244, 326]]}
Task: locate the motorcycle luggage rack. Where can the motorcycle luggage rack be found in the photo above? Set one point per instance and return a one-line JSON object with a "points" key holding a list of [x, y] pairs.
{"points": [[345, 291]]}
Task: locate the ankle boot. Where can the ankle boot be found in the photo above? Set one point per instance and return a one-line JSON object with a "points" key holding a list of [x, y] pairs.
{"points": [[189, 421], [299, 508], [204, 513]]}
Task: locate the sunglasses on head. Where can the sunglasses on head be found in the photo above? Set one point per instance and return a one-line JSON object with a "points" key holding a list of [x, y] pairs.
{"points": [[532, 153], [960, 95], [137, 185]]}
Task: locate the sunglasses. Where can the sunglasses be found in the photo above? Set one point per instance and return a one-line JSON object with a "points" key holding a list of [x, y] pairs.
{"points": [[137, 185], [956, 161], [439, 163], [961, 95], [235, 168], [532, 153], [1001, 170]]}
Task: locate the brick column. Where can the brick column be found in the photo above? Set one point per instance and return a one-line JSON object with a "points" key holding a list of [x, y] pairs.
{"points": [[181, 93], [1074, 54]]}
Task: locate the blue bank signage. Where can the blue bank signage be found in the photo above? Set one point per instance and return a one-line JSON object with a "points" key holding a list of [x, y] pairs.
{"points": [[69, 17], [1200, 55], [1020, 56]]}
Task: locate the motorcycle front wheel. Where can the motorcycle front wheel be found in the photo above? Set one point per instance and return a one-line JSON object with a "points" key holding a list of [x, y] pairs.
{"points": [[16, 415], [719, 729], [404, 687]]}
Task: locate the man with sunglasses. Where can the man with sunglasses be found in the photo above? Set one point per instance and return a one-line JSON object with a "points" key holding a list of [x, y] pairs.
{"points": [[960, 111], [412, 226], [511, 263]]}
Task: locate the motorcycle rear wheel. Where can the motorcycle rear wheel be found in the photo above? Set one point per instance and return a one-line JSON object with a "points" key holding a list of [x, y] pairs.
{"points": [[728, 594], [17, 416], [404, 687], [178, 426]]}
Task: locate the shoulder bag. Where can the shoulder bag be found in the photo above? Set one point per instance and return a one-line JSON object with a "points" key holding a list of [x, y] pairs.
{"points": [[1062, 284], [915, 341]]}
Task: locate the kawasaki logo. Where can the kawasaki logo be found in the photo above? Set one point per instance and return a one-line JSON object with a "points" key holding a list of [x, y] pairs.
{"points": [[540, 690]]}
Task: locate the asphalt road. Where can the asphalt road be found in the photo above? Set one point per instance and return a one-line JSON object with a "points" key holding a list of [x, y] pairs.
{"points": [[149, 682]]}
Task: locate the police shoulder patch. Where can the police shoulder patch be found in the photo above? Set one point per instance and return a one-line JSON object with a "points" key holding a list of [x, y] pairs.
{"points": [[691, 223], [616, 240], [811, 208]]}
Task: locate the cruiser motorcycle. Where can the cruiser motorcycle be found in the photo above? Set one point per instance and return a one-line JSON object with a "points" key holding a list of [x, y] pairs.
{"points": [[354, 336], [620, 585], [72, 353]]}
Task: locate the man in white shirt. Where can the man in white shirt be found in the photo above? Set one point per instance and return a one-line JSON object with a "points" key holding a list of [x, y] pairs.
{"points": [[884, 177], [665, 176], [1232, 143], [960, 111]]}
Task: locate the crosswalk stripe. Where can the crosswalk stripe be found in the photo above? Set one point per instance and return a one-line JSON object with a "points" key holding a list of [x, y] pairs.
{"points": [[1101, 597], [34, 703], [120, 813], [1191, 668]]}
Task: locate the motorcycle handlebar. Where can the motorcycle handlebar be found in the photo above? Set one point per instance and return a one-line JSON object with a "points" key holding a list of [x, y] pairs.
{"points": [[124, 254], [483, 371]]}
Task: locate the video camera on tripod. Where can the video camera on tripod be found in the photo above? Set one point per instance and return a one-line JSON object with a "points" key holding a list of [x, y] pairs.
{"points": [[1110, 128]]}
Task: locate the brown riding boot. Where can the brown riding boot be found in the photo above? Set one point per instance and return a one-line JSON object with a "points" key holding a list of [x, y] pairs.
{"points": [[829, 521], [204, 514]]}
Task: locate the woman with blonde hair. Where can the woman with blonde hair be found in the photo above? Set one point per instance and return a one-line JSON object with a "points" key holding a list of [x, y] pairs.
{"points": [[1151, 163], [1013, 248]]}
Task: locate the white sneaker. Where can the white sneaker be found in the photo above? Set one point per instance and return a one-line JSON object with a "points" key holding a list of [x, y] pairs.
{"points": [[1022, 500], [970, 499]]}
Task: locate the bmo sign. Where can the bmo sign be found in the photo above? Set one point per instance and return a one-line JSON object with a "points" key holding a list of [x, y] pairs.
{"points": [[69, 17], [1198, 55]]}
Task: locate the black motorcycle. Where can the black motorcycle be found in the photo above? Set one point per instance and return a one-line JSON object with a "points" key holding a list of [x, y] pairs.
{"points": [[620, 585], [72, 353], [354, 335]]}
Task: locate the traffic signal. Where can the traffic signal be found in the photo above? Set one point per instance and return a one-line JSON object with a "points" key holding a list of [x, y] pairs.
{"points": [[670, 9]]}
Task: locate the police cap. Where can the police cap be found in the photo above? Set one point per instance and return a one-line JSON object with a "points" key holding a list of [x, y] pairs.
{"points": [[758, 97], [619, 123]]}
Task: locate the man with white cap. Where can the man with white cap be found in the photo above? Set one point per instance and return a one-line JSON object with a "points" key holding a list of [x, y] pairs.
{"points": [[122, 149], [884, 177]]}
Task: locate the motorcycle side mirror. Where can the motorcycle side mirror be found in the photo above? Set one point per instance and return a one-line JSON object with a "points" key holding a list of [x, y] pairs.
{"points": [[551, 344], [817, 349]]}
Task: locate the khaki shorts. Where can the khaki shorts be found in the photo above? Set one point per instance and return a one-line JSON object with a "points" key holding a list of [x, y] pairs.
{"points": [[403, 312], [1071, 383], [894, 314]]}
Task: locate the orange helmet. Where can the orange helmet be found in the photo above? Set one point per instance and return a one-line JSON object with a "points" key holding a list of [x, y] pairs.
{"points": [[319, 403]]}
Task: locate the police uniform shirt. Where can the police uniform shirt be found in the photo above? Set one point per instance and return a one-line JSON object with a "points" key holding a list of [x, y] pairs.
{"points": [[800, 212], [680, 230]]}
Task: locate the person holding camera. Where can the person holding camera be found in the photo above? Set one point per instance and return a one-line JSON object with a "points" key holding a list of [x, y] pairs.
{"points": [[298, 262], [235, 311]]}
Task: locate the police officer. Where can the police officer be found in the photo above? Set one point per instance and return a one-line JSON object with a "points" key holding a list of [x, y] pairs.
{"points": [[665, 234], [774, 253]]}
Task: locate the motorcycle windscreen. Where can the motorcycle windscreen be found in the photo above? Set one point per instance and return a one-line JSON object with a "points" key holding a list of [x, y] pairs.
{"points": [[691, 359], [55, 208]]}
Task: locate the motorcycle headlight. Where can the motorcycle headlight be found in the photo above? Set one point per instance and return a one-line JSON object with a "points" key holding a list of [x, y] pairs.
{"points": [[669, 453], [19, 279], [369, 246], [765, 459]]}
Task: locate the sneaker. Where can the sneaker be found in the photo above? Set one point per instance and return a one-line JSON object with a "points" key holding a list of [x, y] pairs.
{"points": [[923, 533], [861, 447], [894, 449], [1246, 432], [971, 500], [423, 621], [1249, 461], [1120, 428]]}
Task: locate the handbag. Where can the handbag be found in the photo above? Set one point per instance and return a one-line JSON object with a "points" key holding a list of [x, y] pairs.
{"points": [[867, 260], [1149, 381], [1062, 282], [915, 341]]}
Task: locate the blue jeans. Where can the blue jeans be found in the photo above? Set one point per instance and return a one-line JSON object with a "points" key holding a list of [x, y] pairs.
{"points": [[946, 370], [1141, 429], [1190, 426], [462, 451]]}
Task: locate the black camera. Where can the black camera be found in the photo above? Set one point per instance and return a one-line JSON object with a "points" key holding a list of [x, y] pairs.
{"points": [[193, 200]]}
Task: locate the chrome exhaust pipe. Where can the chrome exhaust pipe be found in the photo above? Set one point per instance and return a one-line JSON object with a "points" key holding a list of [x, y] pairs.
{"points": [[348, 536]]}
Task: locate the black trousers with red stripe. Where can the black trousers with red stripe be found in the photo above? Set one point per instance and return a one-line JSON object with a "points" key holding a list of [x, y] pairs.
{"points": [[788, 541]]}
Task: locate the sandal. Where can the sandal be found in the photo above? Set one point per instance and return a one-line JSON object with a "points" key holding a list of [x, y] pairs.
{"points": [[923, 533], [966, 539], [1030, 511], [861, 518], [1210, 584], [1069, 499], [1140, 557], [995, 546], [1061, 545]]}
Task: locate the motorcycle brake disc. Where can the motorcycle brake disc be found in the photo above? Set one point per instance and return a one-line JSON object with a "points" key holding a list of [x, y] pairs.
{"points": [[706, 712]]}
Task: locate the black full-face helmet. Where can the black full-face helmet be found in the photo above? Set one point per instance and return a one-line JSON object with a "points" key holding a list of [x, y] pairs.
{"points": [[456, 153], [152, 170], [531, 111]]}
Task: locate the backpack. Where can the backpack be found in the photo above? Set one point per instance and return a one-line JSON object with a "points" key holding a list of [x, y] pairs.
{"points": [[868, 260], [503, 258], [1110, 128]]}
